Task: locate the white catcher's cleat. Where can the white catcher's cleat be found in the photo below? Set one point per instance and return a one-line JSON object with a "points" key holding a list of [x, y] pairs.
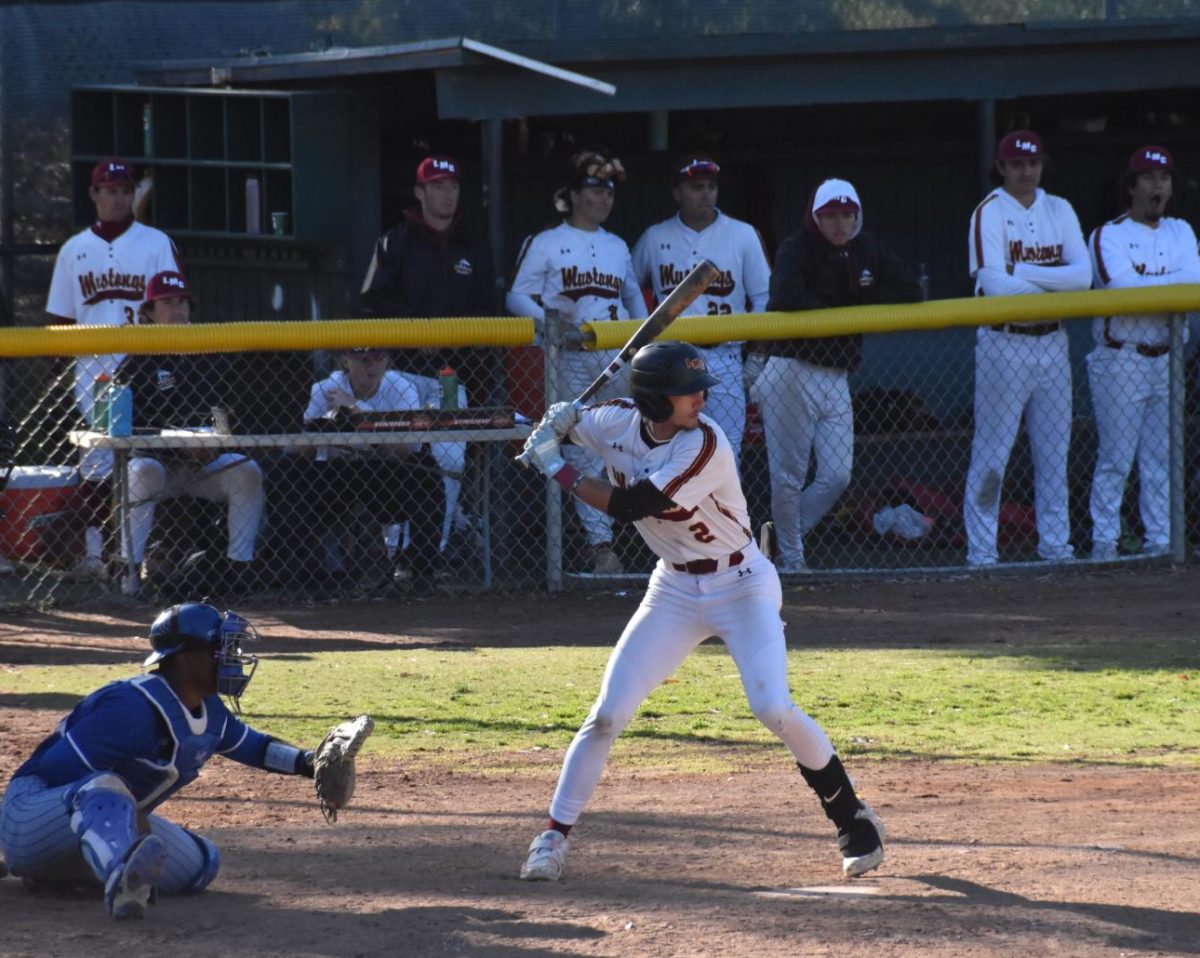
{"points": [[861, 844], [130, 885], [547, 855]]}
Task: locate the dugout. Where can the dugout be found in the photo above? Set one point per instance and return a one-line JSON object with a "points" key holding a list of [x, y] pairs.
{"points": [[909, 115]]}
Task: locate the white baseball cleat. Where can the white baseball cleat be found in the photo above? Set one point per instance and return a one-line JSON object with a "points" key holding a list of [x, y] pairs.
{"points": [[861, 844], [131, 883], [547, 855]]}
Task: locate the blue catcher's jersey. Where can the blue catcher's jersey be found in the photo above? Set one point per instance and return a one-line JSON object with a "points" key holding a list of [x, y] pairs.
{"points": [[140, 729]]}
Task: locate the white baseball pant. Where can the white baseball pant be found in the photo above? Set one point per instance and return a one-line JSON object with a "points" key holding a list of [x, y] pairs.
{"points": [[1130, 398], [806, 411], [727, 400], [679, 611], [230, 478], [576, 372], [1019, 375]]}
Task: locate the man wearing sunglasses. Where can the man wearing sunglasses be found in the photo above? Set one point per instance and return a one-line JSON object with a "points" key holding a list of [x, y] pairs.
{"points": [[668, 250]]}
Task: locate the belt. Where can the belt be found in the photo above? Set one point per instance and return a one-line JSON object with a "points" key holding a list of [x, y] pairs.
{"points": [[1142, 349], [1028, 329], [707, 566]]}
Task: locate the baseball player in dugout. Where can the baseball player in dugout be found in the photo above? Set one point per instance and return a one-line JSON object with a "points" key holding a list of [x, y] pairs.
{"points": [[667, 251], [100, 279], [670, 471], [82, 809], [585, 273], [174, 391], [803, 392], [1022, 240], [1128, 369], [432, 264]]}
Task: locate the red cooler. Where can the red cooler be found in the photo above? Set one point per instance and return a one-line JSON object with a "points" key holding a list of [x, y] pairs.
{"points": [[38, 514]]}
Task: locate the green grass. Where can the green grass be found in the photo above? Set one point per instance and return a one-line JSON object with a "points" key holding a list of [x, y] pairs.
{"points": [[489, 708]]}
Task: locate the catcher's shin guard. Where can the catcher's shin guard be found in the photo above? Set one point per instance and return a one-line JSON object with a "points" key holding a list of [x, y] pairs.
{"points": [[104, 819]]}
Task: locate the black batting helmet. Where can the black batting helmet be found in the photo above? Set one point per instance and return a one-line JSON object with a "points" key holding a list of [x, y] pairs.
{"points": [[663, 369]]}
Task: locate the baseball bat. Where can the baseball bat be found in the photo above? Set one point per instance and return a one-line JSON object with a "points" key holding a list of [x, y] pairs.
{"points": [[664, 314]]}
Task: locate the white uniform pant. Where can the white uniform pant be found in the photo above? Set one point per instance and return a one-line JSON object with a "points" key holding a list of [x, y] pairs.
{"points": [[1130, 397], [678, 612], [727, 400], [1019, 375], [38, 843], [230, 478], [806, 411], [576, 372]]}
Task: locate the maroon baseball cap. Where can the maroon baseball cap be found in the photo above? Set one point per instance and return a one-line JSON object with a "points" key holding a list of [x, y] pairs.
{"points": [[113, 171], [696, 166], [1147, 159], [167, 285], [1020, 145], [434, 168]]}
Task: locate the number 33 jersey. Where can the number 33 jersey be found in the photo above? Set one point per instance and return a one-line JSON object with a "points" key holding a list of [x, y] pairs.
{"points": [[695, 469]]}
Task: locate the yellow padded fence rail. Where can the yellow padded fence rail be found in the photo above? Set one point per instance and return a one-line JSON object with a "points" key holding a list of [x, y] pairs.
{"points": [[267, 336], [938, 314], [519, 330]]}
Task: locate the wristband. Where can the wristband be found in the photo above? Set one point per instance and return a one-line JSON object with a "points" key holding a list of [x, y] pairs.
{"points": [[568, 477]]}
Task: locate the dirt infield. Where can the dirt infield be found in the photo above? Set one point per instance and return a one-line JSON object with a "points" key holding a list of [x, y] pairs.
{"points": [[983, 860]]}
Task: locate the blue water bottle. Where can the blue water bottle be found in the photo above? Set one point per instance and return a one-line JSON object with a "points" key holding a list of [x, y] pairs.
{"points": [[120, 410], [101, 400]]}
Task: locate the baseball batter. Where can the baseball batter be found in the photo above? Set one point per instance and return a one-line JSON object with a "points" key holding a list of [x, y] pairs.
{"points": [[81, 809], [1022, 240], [586, 274], [668, 251], [670, 471], [1128, 369]]}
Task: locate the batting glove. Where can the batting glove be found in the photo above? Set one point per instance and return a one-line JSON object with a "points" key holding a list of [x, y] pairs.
{"points": [[752, 368], [561, 417], [542, 451]]}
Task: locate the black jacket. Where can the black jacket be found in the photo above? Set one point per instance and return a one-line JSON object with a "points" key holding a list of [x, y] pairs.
{"points": [[417, 271], [810, 273], [172, 391]]}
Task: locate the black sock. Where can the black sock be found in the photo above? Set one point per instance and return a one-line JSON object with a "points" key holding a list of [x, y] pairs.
{"points": [[833, 788]]}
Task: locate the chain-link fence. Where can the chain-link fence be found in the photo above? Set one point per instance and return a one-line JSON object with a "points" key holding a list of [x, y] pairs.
{"points": [[343, 473]]}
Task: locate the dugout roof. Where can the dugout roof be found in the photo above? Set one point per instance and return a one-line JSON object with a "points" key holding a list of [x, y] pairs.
{"points": [[474, 81]]}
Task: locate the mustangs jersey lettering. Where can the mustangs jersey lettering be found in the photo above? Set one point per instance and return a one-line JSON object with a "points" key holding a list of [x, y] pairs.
{"points": [[668, 251], [695, 469], [1127, 254], [586, 275], [1043, 244], [102, 283]]}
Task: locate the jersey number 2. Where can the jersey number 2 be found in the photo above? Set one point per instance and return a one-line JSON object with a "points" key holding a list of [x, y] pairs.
{"points": [[700, 531]]}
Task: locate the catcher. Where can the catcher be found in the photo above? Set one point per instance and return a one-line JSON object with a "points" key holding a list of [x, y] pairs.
{"points": [[81, 808]]}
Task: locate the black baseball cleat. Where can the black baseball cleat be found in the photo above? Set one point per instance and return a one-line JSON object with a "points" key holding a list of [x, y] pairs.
{"points": [[861, 843]]}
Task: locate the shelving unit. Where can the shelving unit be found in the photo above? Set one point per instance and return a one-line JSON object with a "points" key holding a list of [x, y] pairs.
{"points": [[202, 148]]}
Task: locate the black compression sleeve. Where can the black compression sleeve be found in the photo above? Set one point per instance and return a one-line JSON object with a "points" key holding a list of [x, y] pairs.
{"points": [[638, 501]]}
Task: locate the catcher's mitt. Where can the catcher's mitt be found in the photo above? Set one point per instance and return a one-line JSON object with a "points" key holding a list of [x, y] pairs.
{"points": [[333, 764]]}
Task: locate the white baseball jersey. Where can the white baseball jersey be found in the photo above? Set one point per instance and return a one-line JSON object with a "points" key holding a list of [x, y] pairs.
{"points": [[1127, 254], [395, 394], [102, 283], [667, 252], [586, 275], [695, 469], [1043, 244]]}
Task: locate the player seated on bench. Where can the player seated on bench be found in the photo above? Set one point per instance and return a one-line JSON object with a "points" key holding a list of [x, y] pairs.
{"points": [[390, 483], [180, 392]]}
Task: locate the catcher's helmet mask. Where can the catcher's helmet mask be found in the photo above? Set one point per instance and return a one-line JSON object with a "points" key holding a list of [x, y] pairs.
{"points": [[667, 368], [199, 627]]}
